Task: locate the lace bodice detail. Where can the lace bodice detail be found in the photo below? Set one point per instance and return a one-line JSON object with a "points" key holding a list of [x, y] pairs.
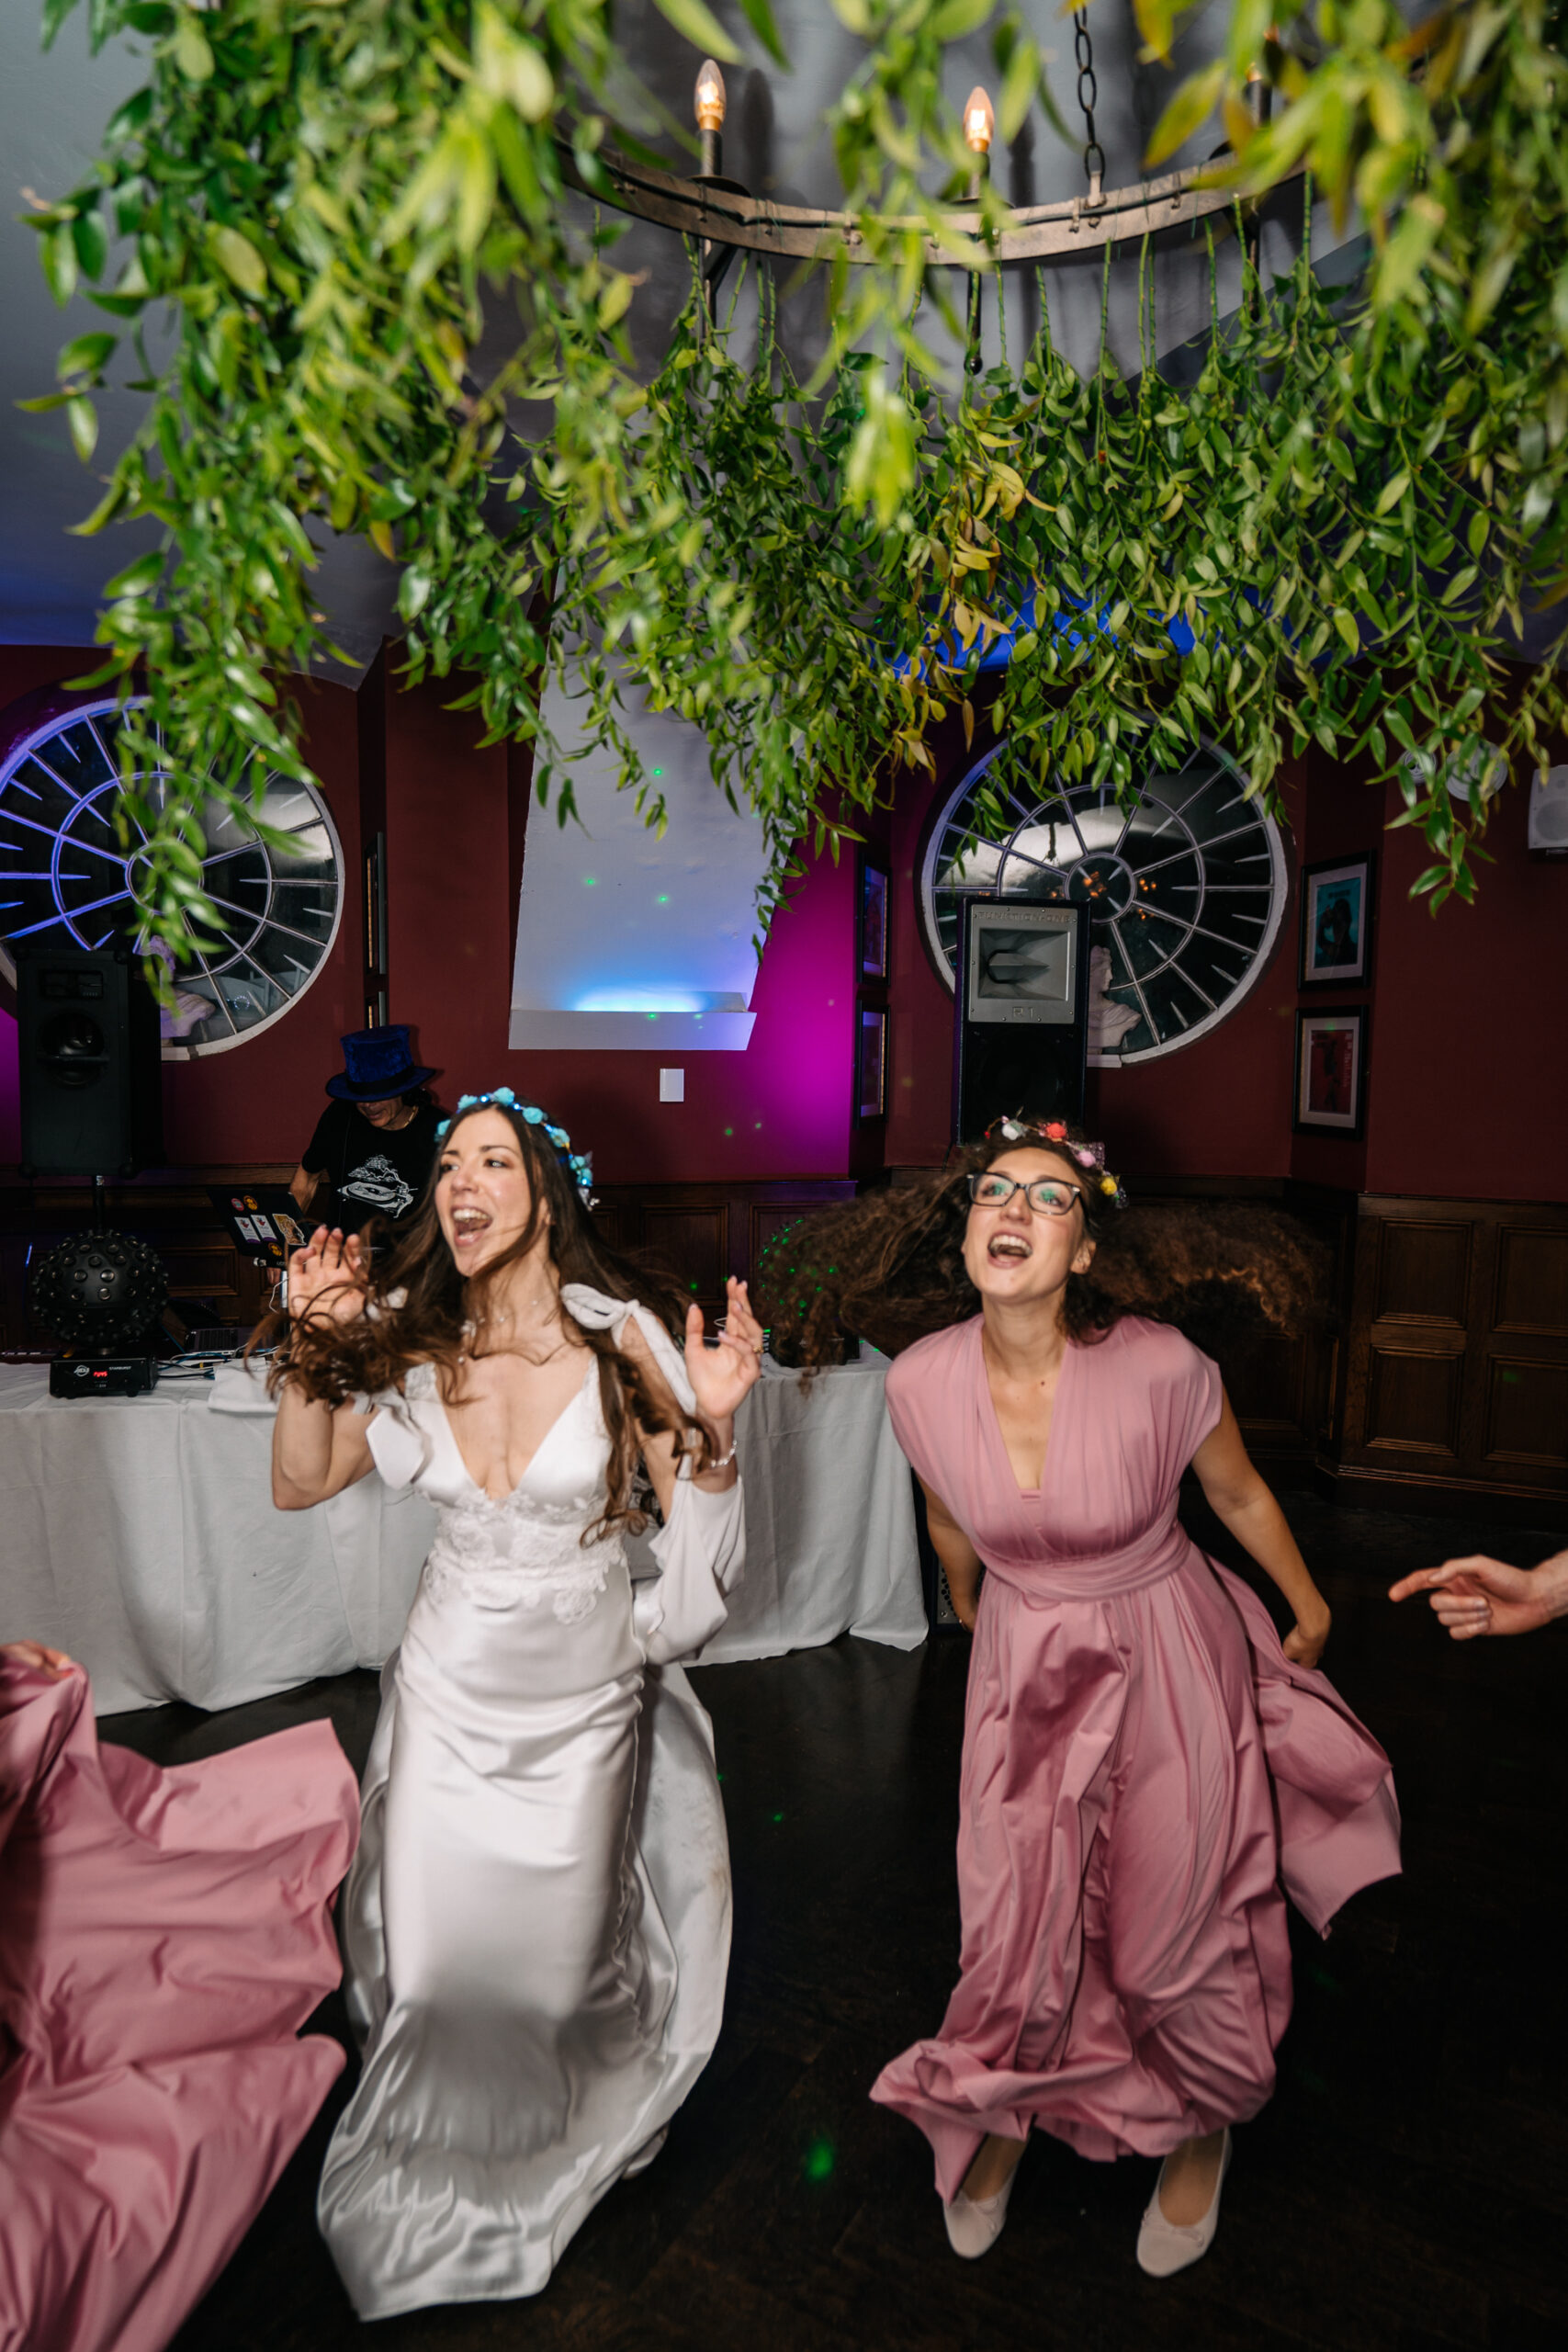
{"points": [[527, 1547]]}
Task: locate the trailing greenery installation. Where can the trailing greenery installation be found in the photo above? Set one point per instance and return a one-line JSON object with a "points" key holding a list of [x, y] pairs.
{"points": [[337, 197]]}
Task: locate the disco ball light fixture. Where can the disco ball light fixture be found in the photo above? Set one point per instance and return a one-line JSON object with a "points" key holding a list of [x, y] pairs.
{"points": [[99, 1292]]}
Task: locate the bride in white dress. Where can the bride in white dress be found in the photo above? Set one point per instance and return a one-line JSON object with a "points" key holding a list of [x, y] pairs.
{"points": [[538, 1924]]}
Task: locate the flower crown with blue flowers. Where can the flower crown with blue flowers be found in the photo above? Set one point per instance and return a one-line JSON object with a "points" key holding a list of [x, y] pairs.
{"points": [[579, 1165]]}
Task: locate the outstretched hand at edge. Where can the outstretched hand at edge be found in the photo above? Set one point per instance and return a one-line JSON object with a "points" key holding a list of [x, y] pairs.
{"points": [[1477, 1595]]}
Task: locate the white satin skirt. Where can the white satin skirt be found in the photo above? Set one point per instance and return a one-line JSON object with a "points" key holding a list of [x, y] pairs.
{"points": [[536, 1931]]}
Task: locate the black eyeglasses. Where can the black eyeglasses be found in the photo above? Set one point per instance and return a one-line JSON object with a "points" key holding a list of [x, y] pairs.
{"points": [[1047, 1195]]}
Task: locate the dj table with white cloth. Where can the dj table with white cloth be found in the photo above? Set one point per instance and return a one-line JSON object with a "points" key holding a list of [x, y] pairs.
{"points": [[139, 1535]]}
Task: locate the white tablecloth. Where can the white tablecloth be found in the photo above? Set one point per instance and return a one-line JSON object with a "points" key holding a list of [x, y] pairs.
{"points": [[139, 1535]]}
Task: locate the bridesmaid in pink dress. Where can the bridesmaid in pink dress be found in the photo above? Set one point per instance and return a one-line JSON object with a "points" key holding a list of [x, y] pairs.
{"points": [[1144, 1764]]}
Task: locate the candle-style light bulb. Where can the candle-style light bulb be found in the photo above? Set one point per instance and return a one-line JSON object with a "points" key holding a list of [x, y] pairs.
{"points": [[979, 121], [710, 99]]}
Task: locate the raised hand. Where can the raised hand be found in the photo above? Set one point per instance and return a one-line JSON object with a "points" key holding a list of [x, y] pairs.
{"points": [[721, 1376], [1477, 1595], [328, 1279]]}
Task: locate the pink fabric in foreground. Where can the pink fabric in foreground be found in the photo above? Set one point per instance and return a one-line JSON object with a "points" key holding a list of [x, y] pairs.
{"points": [[1143, 1767], [163, 1937]]}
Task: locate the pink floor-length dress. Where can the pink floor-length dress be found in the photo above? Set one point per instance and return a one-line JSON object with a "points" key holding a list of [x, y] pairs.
{"points": [[163, 1937], [1143, 1767]]}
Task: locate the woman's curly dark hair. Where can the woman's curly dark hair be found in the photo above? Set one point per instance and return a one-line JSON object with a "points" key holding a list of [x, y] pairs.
{"points": [[437, 1312], [889, 1266]]}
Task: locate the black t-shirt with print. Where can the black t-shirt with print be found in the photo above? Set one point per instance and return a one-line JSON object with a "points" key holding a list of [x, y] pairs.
{"points": [[373, 1171]]}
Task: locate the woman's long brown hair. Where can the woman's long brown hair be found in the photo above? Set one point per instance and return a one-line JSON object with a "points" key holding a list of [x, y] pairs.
{"points": [[438, 1313], [889, 1265]]}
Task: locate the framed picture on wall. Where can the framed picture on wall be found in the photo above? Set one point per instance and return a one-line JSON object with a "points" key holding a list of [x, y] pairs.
{"points": [[1337, 909], [873, 921], [1331, 1071], [871, 1063]]}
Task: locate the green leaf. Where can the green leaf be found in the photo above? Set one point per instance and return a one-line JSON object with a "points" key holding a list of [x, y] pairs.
{"points": [[57, 251], [759, 16], [951, 19], [91, 240], [1156, 22], [83, 419], [414, 590], [1018, 84], [509, 67], [1408, 251], [615, 300], [87, 356], [1390, 493], [138, 578], [239, 259], [695, 22], [1193, 102], [193, 51], [107, 507]]}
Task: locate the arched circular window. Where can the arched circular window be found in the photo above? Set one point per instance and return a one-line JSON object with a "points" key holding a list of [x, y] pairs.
{"points": [[67, 879], [1186, 886]]}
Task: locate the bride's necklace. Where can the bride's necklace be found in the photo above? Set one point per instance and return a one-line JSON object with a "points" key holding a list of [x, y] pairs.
{"points": [[506, 1315]]}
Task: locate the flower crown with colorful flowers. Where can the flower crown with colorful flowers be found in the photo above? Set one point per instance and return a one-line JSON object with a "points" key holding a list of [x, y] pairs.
{"points": [[579, 1165], [1054, 1132]]}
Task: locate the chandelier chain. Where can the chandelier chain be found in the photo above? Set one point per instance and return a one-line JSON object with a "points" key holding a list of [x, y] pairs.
{"points": [[1089, 93]]}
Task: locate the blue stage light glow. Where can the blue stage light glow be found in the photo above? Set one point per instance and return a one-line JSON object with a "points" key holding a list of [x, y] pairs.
{"points": [[652, 1000]]}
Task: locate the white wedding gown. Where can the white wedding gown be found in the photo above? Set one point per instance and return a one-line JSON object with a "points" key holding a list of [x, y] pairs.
{"points": [[538, 1924]]}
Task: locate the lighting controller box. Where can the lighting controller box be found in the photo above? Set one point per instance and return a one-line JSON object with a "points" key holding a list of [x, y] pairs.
{"points": [[101, 1375]]}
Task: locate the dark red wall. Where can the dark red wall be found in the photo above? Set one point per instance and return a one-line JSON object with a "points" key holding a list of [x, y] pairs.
{"points": [[1468, 1067], [261, 1101], [1468, 1056], [1468, 1022], [782, 1108]]}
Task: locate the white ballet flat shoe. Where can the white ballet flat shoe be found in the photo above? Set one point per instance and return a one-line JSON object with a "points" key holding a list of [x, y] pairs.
{"points": [[645, 2155], [974, 2223], [1165, 2247]]}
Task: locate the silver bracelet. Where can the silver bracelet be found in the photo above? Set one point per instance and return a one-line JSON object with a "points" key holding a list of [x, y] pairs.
{"points": [[723, 1461]]}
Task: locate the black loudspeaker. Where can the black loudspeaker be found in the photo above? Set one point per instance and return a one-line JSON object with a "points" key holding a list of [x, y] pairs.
{"points": [[90, 1051], [1021, 1012]]}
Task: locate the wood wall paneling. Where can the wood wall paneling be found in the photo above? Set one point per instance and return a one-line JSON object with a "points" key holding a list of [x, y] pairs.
{"points": [[1532, 1280], [1527, 1412], [690, 1242], [1457, 1387], [1424, 1272], [1412, 1404]]}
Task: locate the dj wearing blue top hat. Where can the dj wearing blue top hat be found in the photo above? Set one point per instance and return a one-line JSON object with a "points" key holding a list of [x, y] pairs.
{"points": [[376, 1140]]}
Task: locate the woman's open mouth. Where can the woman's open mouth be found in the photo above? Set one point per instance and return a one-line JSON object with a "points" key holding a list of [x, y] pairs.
{"points": [[1009, 1250], [468, 1226]]}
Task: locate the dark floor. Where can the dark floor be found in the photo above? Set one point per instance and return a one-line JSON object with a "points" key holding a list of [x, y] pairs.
{"points": [[1403, 2191]]}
